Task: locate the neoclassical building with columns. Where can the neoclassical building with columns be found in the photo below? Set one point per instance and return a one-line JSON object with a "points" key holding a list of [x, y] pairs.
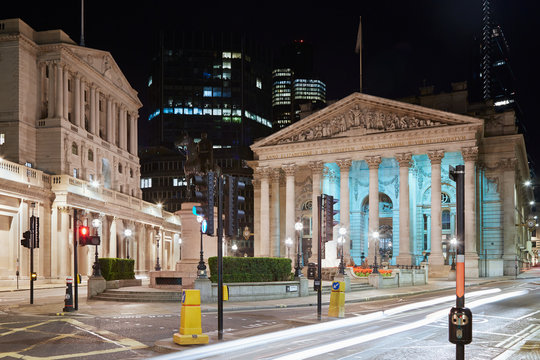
{"points": [[388, 164], [68, 141]]}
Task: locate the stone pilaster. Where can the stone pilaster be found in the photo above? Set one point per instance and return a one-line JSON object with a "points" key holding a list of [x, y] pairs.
{"points": [[264, 173], [76, 117], [510, 254], [275, 176], [59, 108]]}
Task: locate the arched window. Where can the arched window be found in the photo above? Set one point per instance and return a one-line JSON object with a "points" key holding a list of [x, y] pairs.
{"points": [[445, 198], [90, 155], [74, 149]]}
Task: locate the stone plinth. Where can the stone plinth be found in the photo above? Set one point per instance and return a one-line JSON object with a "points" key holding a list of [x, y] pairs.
{"points": [[96, 285], [155, 277]]}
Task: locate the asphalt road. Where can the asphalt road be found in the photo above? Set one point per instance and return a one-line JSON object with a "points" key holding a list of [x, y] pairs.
{"points": [[124, 332]]}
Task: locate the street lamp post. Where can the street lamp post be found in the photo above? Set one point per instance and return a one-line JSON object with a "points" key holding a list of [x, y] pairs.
{"points": [[96, 223], [201, 268], [298, 268], [375, 235], [127, 234], [342, 231], [158, 237]]}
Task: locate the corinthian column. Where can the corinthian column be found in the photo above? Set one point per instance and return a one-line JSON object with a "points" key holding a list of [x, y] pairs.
{"points": [[290, 216], [373, 164], [275, 175], [344, 213], [265, 213], [436, 258], [316, 172], [65, 95], [470, 155], [404, 257], [92, 106]]}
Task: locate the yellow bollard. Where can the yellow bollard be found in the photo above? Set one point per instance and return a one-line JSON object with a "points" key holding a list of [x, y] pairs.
{"points": [[337, 300], [190, 320]]}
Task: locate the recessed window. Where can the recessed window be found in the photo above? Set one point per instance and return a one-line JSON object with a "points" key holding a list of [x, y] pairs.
{"points": [[90, 155], [130, 172], [2, 138], [75, 172], [146, 183], [74, 149], [120, 168], [446, 220]]}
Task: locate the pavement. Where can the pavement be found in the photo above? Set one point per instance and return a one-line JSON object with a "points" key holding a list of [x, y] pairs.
{"points": [[53, 302]]}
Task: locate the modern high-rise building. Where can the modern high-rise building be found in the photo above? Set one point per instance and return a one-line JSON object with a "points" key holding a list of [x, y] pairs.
{"points": [[213, 83], [294, 84]]}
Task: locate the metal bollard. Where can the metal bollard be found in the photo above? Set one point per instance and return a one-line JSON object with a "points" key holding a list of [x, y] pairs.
{"points": [[68, 300]]}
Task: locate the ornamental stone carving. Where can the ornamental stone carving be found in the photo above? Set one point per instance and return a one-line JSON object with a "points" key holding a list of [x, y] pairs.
{"points": [[373, 161], [289, 169], [507, 164], [316, 167], [275, 174], [359, 119], [470, 153], [404, 159], [435, 156], [344, 164]]}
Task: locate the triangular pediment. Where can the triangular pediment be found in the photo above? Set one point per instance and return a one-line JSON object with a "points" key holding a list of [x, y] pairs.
{"points": [[102, 62], [361, 114]]}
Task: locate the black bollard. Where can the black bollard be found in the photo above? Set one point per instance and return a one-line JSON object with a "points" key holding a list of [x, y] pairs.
{"points": [[68, 301]]}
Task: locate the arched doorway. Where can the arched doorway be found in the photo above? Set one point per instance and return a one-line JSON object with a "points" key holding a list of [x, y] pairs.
{"points": [[386, 237]]}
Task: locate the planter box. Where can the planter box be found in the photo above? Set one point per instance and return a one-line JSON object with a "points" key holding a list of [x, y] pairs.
{"points": [[264, 290]]}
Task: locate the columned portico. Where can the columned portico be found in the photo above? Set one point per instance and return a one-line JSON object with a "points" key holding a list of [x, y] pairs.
{"points": [[373, 227], [405, 256], [436, 258]]}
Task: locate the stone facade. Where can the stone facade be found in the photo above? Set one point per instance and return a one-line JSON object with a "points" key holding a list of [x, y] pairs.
{"points": [[68, 141], [388, 164]]}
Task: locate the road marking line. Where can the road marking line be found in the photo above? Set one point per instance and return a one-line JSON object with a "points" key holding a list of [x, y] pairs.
{"points": [[527, 315], [512, 337], [509, 352]]}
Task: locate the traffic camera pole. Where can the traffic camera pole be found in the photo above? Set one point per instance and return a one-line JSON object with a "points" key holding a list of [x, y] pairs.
{"points": [[220, 255]]}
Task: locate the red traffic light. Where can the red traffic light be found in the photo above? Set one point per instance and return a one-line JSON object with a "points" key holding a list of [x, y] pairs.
{"points": [[83, 235]]}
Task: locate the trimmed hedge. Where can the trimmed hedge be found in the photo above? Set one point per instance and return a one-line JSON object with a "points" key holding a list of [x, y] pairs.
{"points": [[251, 269], [117, 269]]}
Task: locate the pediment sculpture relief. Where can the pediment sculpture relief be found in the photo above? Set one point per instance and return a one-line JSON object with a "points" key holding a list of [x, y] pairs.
{"points": [[359, 120]]}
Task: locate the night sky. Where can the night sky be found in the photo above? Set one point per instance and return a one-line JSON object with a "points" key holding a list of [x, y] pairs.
{"points": [[406, 43]]}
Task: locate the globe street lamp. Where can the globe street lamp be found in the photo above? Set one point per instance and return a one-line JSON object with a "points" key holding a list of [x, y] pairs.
{"points": [[341, 240], [375, 235], [158, 237], [298, 268], [234, 247], [201, 268], [96, 223], [288, 244], [127, 234]]}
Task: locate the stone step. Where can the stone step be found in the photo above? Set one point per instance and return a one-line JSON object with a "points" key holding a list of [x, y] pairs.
{"points": [[139, 296]]}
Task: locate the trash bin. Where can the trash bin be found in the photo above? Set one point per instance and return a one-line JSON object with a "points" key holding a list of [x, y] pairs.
{"points": [[312, 271]]}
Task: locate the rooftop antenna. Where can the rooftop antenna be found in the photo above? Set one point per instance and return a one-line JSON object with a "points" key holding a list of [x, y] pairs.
{"points": [[82, 23], [358, 49]]}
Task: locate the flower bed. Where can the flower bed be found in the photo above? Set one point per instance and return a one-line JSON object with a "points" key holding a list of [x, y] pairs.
{"points": [[364, 272]]}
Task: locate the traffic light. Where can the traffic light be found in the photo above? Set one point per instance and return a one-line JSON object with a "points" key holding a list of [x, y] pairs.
{"points": [[25, 241], [234, 200], [34, 276], [84, 234], [34, 226], [329, 213], [205, 196]]}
